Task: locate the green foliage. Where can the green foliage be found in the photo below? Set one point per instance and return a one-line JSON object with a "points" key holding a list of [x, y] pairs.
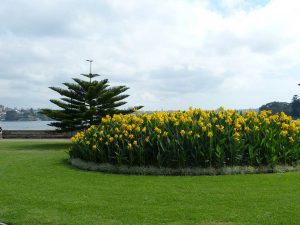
{"points": [[291, 109], [277, 107], [84, 103], [193, 138], [295, 107], [11, 115]]}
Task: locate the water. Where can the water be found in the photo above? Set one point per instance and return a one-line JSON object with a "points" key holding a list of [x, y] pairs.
{"points": [[26, 125]]}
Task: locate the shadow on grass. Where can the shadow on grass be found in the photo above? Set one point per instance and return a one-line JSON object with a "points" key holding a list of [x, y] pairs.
{"points": [[65, 163], [41, 146]]}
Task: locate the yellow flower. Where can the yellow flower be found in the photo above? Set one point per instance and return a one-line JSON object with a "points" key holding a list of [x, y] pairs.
{"points": [[116, 136], [283, 133], [284, 126], [94, 147], [228, 120], [210, 134], [117, 130], [137, 129], [200, 123], [292, 127], [220, 128], [267, 121], [165, 134], [237, 125], [190, 133], [88, 142], [264, 113], [120, 136], [247, 129], [291, 139], [144, 129], [182, 132], [135, 143], [197, 136], [131, 136], [147, 139], [111, 139], [236, 136], [157, 130], [275, 117], [203, 129], [129, 146], [129, 127]]}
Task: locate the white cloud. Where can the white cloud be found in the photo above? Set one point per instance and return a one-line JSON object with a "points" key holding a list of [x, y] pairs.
{"points": [[171, 54]]}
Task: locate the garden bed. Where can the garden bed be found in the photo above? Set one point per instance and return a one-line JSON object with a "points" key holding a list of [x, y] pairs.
{"points": [[136, 170], [233, 141]]}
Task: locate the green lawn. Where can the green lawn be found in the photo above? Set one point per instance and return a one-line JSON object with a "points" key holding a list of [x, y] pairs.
{"points": [[38, 187]]}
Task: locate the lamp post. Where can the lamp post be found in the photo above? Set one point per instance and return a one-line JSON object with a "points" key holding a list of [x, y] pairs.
{"points": [[90, 61]]}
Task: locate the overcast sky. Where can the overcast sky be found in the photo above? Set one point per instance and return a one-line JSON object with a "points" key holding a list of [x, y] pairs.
{"points": [[172, 54]]}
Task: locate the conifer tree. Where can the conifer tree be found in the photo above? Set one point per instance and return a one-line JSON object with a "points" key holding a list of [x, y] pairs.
{"points": [[84, 103], [295, 107]]}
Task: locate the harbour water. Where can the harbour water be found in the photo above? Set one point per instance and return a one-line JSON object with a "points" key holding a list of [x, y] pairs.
{"points": [[26, 125]]}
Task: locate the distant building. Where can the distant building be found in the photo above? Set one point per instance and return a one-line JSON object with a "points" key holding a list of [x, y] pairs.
{"points": [[2, 108]]}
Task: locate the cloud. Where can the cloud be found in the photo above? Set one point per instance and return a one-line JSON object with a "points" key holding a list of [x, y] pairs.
{"points": [[171, 54]]}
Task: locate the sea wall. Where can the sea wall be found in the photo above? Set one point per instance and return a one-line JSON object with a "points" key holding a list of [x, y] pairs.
{"points": [[34, 134]]}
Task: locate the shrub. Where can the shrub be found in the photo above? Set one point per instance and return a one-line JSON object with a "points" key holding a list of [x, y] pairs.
{"points": [[193, 138]]}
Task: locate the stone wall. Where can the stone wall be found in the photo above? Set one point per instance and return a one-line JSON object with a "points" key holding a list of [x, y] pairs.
{"points": [[34, 134]]}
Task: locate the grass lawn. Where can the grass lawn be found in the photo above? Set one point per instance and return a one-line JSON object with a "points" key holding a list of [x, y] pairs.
{"points": [[38, 187]]}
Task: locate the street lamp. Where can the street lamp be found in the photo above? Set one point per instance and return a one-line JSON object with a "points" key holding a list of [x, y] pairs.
{"points": [[90, 61]]}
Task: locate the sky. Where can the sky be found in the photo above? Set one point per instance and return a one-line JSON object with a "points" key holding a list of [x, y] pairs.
{"points": [[172, 54]]}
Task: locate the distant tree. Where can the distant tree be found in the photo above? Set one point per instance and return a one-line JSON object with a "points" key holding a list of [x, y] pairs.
{"points": [[11, 115], [31, 111], [42, 117], [277, 107], [86, 102], [295, 107]]}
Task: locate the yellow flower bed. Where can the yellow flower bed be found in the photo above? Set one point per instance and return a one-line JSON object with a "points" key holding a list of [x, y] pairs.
{"points": [[193, 138]]}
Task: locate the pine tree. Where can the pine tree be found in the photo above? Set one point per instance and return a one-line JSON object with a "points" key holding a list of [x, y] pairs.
{"points": [[295, 107], [84, 103]]}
